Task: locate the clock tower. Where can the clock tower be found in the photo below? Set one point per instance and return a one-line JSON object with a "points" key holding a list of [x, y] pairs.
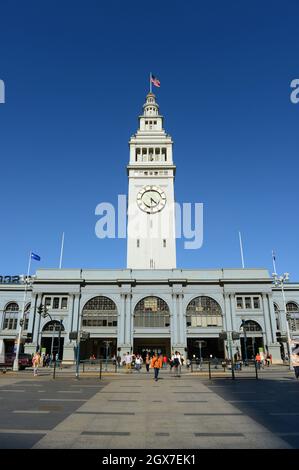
{"points": [[151, 210]]}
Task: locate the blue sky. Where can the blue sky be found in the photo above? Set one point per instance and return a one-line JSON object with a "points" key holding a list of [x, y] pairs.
{"points": [[76, 76]]}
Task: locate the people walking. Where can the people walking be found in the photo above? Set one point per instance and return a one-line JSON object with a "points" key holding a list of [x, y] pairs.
{"points": [[138, 362], [156, 363], [295, 357]]}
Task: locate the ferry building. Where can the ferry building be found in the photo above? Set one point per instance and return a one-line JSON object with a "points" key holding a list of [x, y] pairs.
{"points": [[151, 305]]}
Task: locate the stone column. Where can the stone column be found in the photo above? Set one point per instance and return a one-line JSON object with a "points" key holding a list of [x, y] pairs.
{"points": [[180, 325], [227, 321], [174, 325], [268, 332], [274, 347], [121, 330], [128, 323], [69, 345]]}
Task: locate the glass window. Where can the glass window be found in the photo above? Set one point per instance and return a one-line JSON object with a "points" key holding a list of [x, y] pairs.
{"points": [[100, 312], [11, 315], [256, 302], [239, 302], [138, 243], [248, 302], [55, 302], [48, 301], [164, 243], [151, 312], [204, 312], [64, 302]]}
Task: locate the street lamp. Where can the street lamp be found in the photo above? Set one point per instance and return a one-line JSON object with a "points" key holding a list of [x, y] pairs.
{"points": [[107, 348], [28, 282], [243, 324], [279, 282], [59, 336]]}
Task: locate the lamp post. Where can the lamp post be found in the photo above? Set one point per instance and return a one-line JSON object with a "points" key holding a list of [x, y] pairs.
{"points": [[245, 341], [107, 348], [59, 336], [200, 343], [279, 282], [28, 282]]}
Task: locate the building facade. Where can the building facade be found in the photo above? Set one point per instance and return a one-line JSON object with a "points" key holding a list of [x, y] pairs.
{"points": [[151, 305]]}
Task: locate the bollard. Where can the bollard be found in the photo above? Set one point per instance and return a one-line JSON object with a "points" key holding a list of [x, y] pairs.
{"points": [[256, 374], [233, 370], [54, 370], [100, 370], [210, 371]]}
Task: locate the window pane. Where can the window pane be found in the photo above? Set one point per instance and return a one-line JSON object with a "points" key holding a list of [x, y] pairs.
{"points": [[247, 302], [239, 302], [56, 302], [256, 302], [64, 302]]}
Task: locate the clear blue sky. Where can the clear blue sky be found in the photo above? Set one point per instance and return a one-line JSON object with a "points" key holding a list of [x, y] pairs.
{"points": [[76, 76]]}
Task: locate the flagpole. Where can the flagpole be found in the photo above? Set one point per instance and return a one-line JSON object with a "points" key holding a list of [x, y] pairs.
{"points": [[150, 82], [21, 321], [61, 250], [274, 262], [241, 249]]}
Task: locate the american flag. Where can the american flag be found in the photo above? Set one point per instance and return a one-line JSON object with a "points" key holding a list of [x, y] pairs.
{"points": [[155, 81]]}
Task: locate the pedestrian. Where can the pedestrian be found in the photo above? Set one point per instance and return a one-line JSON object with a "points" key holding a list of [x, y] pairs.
{"points": [[138, 362], [147, 362], [156, 363], [258, 360], [128, 362], [177, 364], [295, 357], [36, 362], [165, 361]]}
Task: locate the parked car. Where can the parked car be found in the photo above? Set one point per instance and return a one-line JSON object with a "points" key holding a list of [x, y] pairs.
{"points": [[25, 360]]}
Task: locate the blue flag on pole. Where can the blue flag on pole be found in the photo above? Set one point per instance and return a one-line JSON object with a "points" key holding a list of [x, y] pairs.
{"points": [[34, 256]]}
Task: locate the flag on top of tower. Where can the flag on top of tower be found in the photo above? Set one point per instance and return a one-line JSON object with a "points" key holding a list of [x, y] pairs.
{"points": [[35, 256], [155, 80]]}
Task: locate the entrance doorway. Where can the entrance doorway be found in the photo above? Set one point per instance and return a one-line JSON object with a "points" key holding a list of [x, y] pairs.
{"points": [[209, 346], [145, 346], [52, 346], [99, 348], [252, 343]]}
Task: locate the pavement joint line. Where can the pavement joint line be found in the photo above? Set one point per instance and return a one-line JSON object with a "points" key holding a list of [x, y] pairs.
{"points": [[251, 401], [62, 399], [110, 413], [10, 391], [218, 434], [103, 433], [192, 401], [24, 431], [125, 401], [213, 414], [30, 411], [69, 391]]}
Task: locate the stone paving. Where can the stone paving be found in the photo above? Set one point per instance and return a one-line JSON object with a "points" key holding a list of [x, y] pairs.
{"points": [[135, 412]]}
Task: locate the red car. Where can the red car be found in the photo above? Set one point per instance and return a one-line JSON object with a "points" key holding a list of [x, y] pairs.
{"points": [[25, 360]]}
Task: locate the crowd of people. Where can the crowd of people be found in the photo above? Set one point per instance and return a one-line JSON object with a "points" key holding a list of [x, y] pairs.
{"points": [[153, 360]]}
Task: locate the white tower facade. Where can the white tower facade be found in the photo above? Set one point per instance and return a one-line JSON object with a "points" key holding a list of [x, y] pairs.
{"points": [[151, 211]]}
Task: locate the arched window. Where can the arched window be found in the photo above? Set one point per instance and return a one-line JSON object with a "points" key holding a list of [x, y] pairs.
{"points": [[204, 312], [11, 314], [26, 316], [293, 316], [151, 312], [276, 310], [251, 326], [52, 326], [99, 312]]}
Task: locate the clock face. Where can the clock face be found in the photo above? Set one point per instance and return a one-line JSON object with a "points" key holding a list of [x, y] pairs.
{"points": [[151, 199]]}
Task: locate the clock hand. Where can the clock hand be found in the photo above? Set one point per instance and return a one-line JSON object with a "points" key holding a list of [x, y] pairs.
{"points": [[153, 200]]}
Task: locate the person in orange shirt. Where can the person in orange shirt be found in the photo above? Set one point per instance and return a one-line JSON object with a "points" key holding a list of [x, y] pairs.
{"points": [[258, 360], [156, 364]]}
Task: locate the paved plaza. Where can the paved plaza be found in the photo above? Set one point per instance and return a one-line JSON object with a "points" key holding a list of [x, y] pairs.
{"points": [[132, 411]]}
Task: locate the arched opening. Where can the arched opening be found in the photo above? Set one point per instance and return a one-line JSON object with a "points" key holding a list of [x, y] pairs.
{"points": [[99, 315], [205, 314], [293, 316], [51, 340], [251, 338], [151, 317]]}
